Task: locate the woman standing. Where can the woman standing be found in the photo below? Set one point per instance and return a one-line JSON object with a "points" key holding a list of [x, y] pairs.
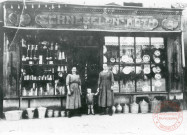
{"points": [[106, 96], [73, 101]]}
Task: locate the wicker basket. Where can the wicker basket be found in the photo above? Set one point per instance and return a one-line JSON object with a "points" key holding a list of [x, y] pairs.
{"points": [[13, 115], [144, 107], [30, 112], [134, 108], [41, 112]]}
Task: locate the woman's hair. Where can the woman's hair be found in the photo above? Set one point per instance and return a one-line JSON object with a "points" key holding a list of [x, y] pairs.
{"points": [[74, 67]]}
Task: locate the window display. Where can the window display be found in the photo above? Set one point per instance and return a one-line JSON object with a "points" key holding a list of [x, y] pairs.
{"points": [[43, 67], [140, 65]]}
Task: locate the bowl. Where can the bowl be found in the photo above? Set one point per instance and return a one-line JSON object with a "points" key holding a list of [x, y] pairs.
{"points": [[13, 115]]}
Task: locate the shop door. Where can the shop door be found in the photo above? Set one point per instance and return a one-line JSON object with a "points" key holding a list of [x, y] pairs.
{"points": [[87, 60]]}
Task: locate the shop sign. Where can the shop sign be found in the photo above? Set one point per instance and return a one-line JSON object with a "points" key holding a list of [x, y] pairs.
{"points": [[89, 21], [117, 21]]}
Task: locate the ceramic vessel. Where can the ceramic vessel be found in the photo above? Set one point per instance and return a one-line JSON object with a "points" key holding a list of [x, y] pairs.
{"points": [[62, 113], [50, 113], [119, 108], [134, 107], [113, 109], [144, 106], [56, 113], [155, 105], [125, 109]]}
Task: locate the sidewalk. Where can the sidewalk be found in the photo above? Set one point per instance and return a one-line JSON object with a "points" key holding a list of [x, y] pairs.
{"points": [[126, 124]]}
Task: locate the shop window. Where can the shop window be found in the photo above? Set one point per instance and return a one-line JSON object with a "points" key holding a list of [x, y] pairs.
{"points": [[138, 63], [112, 59]]}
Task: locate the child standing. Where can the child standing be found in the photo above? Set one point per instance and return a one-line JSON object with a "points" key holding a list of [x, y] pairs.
{"points": [[90, 100]]}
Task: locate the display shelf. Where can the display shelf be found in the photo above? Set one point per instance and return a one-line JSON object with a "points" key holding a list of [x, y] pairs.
{"points": [[53, 65], [43, 96], [140, 93], [37, 80]]}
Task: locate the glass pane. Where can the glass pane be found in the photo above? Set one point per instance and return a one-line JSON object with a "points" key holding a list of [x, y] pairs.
{"points": [[11, 66], [115, 70], [143, 78], [142, 50], [110, 50], [158, 64], [127, 81], [111, 57], [111, 40], [127, 49]]}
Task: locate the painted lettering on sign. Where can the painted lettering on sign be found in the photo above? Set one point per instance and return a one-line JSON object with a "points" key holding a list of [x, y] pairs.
{"points": [[60, 20], [77, 20]]}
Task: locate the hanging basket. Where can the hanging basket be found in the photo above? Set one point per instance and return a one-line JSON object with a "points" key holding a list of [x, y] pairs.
{"points": [[134, 108], [144, 107]]}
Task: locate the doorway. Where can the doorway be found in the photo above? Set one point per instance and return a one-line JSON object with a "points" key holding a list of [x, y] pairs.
{"points": [[86, 57]]}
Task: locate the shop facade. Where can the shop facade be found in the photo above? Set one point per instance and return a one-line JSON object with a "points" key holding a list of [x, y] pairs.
{"points": [[42, 41]]}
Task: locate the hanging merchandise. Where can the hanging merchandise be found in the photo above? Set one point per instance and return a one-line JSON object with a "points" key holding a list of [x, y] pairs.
{"points": [[158, 76], [145, 88], [112, 60], [157, 60], [146, 58], [127, 70], [104, 59], [58, 69], [147, 69], [59, 55], [138, 60], [104, 49], [157, 53], [138, 70], [63, 55], [62, 69], [66, 69], [158, 83]]}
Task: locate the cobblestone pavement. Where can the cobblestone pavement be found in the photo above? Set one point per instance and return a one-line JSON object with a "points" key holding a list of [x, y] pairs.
{"points": [[124, 124]]}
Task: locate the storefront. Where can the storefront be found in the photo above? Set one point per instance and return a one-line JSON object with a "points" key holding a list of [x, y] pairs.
{"points": [[42, 41]]}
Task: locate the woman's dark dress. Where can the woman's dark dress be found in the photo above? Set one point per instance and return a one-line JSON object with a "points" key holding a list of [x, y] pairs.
{"points": [[106, 95], [73, 101]]}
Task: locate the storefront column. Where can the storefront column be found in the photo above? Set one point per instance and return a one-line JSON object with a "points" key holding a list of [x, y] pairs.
{"points": [[1, 61]]}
